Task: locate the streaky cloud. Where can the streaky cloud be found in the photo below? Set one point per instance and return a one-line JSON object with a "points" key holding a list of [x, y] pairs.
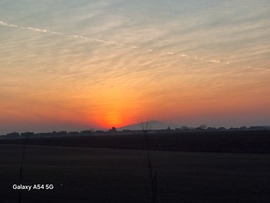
{"points": [[40, 30]]}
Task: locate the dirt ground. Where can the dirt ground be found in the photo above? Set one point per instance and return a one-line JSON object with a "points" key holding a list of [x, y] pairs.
{"points": [[121, 175]]}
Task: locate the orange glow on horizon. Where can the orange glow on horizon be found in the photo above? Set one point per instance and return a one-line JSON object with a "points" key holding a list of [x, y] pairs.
{"points": [[115, 108], [111, 119]]}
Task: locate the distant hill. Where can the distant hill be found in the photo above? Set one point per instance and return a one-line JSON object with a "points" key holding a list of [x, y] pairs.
{"points": [[151, 125]]}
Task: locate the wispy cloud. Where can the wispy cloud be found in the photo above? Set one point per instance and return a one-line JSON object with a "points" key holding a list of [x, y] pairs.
{"points": [[171, 57], [41, 30]]}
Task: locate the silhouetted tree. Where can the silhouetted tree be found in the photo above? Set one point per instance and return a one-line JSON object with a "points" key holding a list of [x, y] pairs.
{"points": [[145, 126], [113, 129]]}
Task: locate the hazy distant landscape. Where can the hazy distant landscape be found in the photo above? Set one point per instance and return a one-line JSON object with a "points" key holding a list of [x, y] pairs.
{"points": [[245, 141]]}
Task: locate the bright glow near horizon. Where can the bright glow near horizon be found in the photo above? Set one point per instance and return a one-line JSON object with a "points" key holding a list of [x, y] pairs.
{"points": [[70, 65]]}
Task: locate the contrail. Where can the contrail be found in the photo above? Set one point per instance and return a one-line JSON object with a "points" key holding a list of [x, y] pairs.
{"points": [[35, 29], [147, 50]]}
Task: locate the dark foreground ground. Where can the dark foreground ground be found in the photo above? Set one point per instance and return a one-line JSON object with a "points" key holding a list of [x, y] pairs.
{"points": [[190, 166], [122, 175]]}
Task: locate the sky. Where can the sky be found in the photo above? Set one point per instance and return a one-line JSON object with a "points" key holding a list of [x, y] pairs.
{"points": [[71, 65]]}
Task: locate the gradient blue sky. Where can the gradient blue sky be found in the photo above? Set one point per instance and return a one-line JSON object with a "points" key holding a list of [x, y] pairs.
{"points": [[70, 65]]}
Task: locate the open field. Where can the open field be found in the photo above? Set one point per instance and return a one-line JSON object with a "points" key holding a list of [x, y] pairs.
{"points": [[121, 175], [201, 141]]}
